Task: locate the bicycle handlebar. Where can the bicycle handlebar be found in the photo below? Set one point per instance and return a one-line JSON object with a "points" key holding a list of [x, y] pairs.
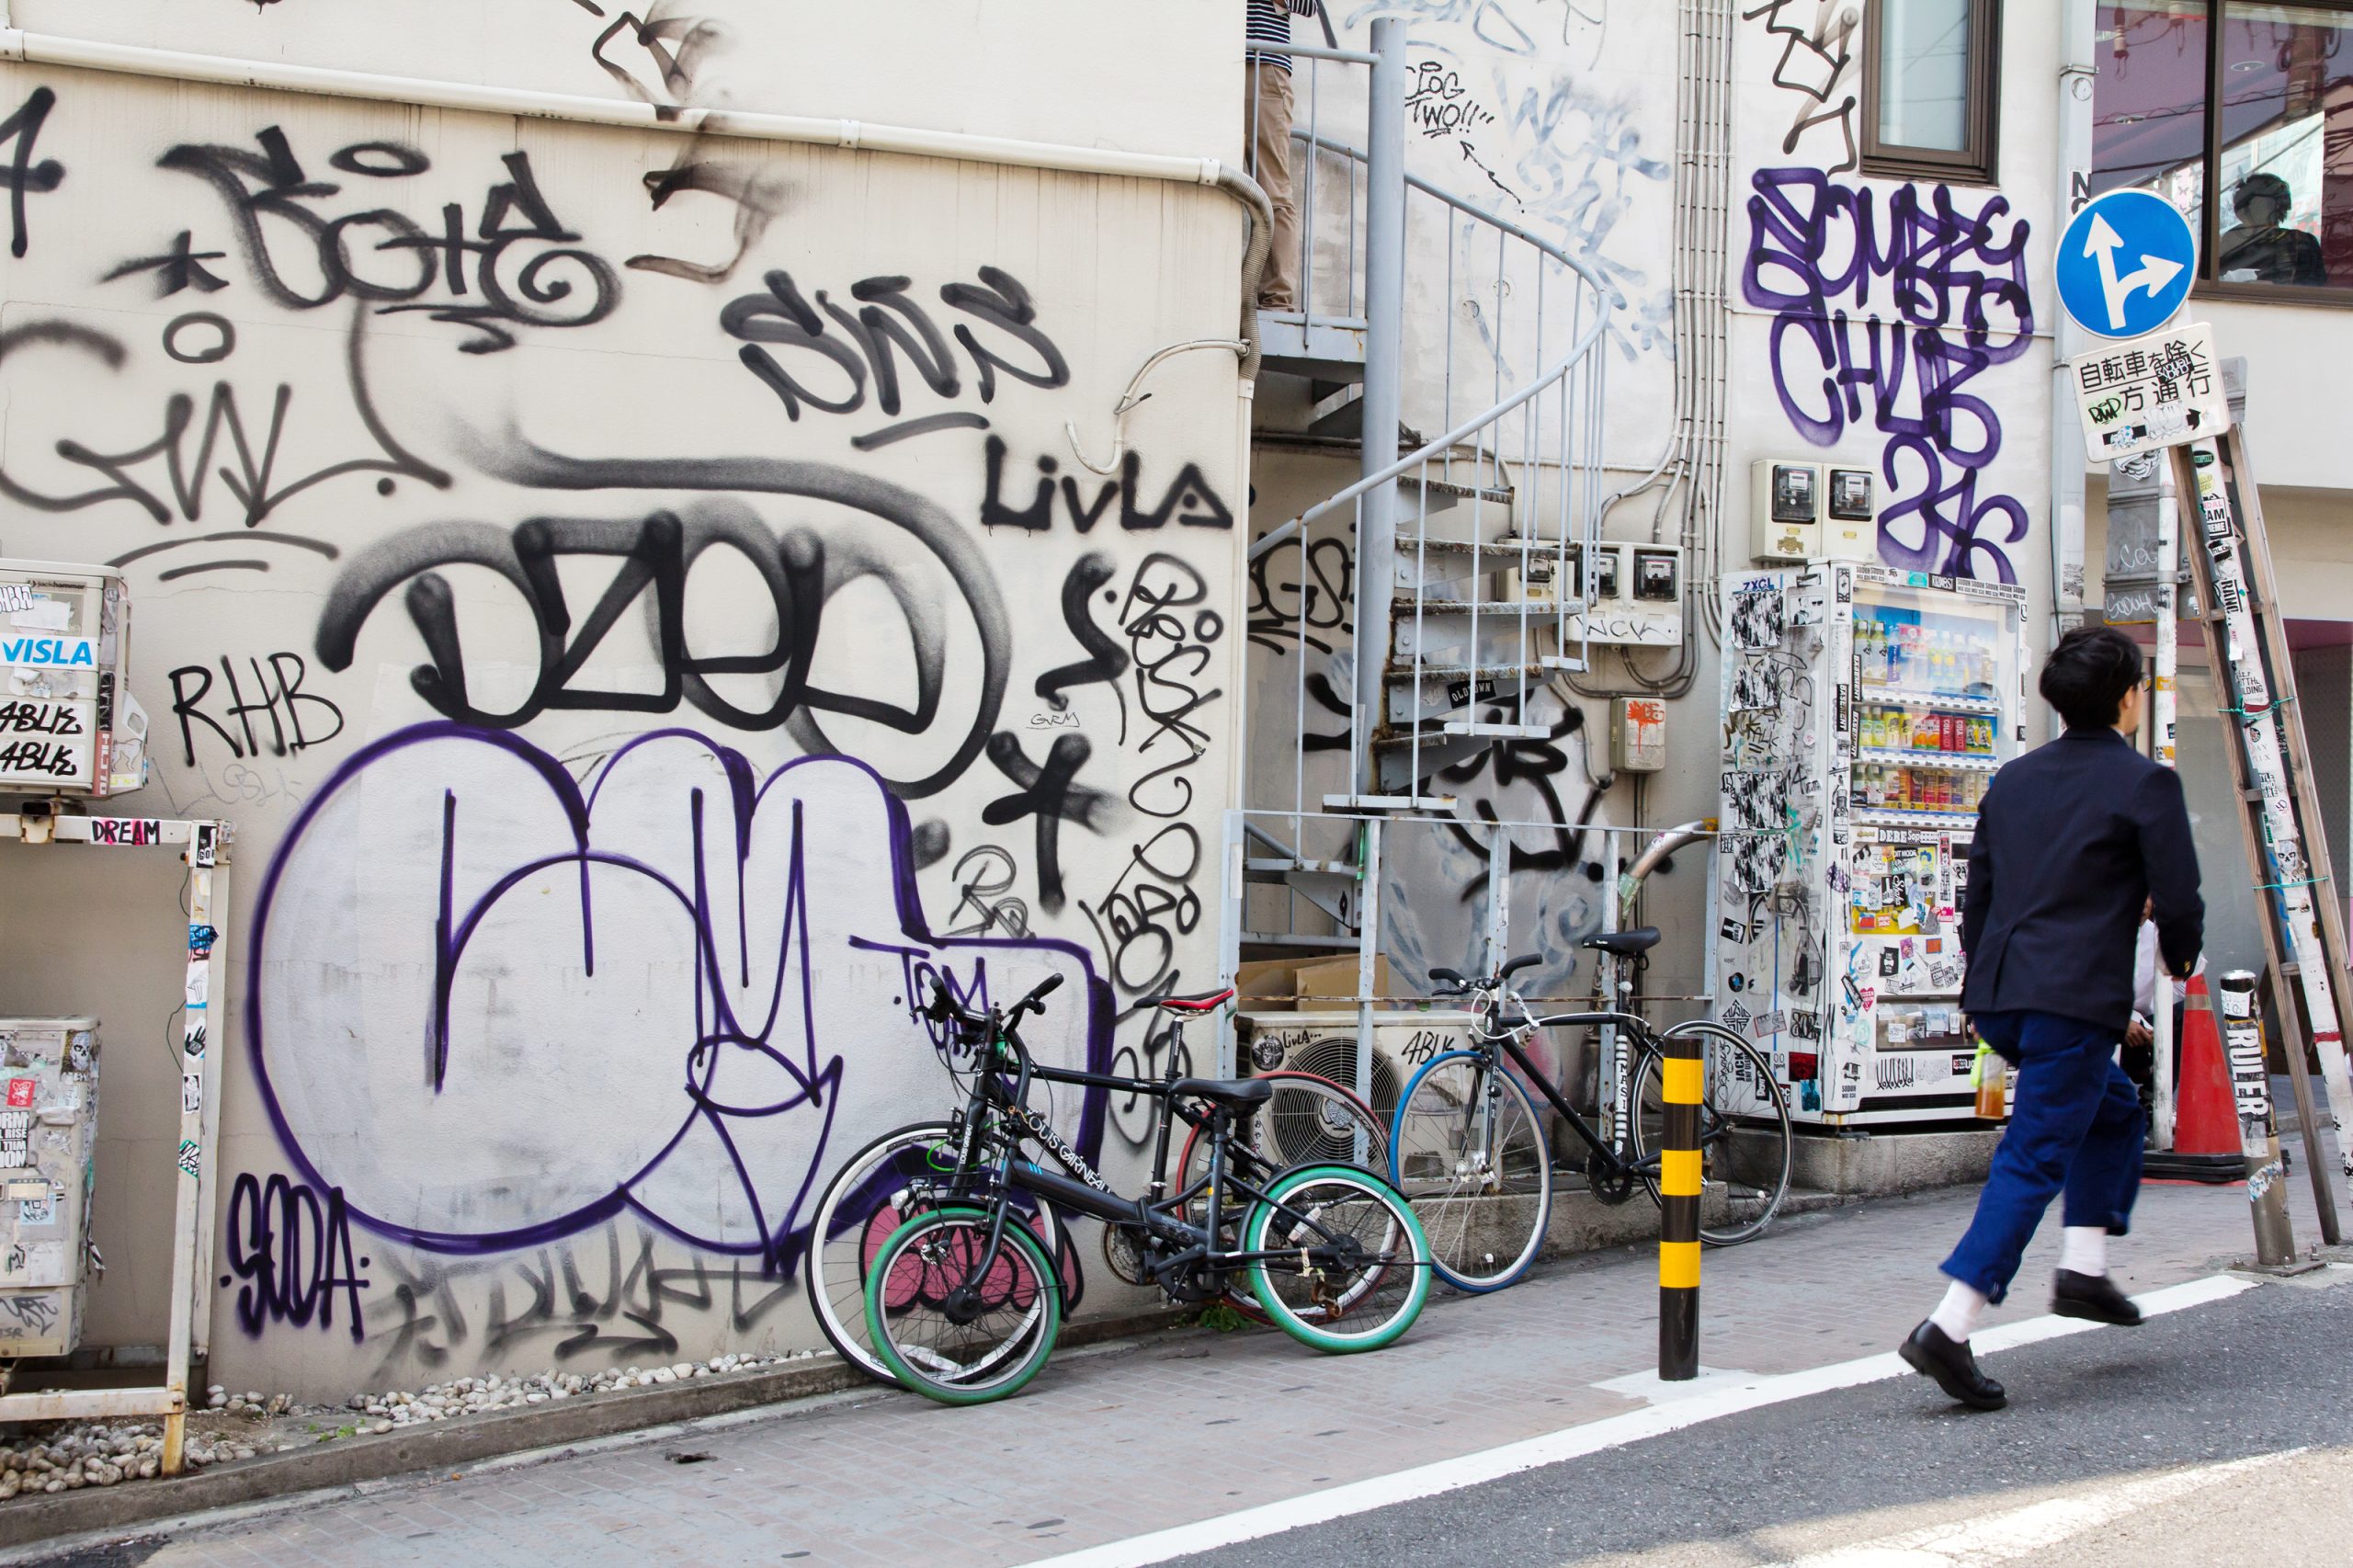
{"points": [[1458, 982]]}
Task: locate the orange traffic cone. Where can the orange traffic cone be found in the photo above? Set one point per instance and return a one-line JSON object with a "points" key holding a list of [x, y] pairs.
{"points": [[2206, 1113]]}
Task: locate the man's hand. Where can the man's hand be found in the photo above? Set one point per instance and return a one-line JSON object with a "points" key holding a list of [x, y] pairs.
{"points": [[2137, 1035]]}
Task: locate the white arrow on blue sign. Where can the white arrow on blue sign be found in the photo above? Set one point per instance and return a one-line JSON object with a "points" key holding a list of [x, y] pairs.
{"points": [[2126, 263]]}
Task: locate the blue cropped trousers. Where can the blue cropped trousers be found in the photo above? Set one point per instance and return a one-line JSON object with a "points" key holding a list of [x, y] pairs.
{"points": [[2076, 1127]]}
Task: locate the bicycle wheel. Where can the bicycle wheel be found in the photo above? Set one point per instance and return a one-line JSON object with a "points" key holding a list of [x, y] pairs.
{"points": [[1744, 1139], [866, 1200], [1468, 1152], [1002, 1340], [1360, 1303]]}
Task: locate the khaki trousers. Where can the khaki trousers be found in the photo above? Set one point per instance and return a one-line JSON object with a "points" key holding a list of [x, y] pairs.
{"points": [[1267, 131]]}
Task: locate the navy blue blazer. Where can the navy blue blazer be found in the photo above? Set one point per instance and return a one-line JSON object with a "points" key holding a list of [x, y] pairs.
{"points": [[2071, 837]]}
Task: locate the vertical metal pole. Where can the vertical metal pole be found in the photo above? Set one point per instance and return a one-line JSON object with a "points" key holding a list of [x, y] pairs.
{"points": [[2162, 720], [2266, 1177], [1367, 955], [198, 1044], [2078, 39], [1384, 294], [1678, 1211]]}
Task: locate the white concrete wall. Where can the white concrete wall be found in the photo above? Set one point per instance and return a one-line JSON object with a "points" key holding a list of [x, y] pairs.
{"points": [[439, 535]]}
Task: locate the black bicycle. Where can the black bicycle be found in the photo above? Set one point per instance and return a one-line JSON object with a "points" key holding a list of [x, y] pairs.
{"points": [[1469, 1153], [964, 1304]]}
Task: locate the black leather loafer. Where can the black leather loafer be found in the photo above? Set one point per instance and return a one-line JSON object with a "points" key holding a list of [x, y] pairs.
{"points": [[1934, 1353], [2092, 1295]]}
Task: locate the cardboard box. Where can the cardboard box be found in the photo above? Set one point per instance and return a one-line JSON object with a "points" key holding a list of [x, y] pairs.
{"points": [[1265, 984]]}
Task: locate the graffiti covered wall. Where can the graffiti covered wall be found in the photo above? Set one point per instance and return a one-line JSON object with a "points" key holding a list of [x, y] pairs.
{"points": [[634, 595], [1896, 325]]}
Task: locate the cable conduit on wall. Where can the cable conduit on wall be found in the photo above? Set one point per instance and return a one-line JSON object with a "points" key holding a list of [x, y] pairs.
{"points": [[853, 135]]}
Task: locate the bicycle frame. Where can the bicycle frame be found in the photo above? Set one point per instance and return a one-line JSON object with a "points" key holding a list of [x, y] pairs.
{"points": [[1081, 1188], [1499, 1002]]}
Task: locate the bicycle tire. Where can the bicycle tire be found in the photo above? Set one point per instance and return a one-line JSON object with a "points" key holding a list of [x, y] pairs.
{"points": [[841, 1245], [1381, 1300], [1484, 1210], [971, 1363], [1764, 1165]]}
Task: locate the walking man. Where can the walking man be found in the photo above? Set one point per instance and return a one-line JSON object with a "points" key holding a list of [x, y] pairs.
{"points": [[2073, 840], [1266, 111]]}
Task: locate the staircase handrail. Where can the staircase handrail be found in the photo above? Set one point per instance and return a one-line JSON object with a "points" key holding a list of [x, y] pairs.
{"points": [[1472, 209], [1274, 537]]}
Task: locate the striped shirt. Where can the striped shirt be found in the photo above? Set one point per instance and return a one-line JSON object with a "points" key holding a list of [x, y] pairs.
{"points": [[1270, 23]]}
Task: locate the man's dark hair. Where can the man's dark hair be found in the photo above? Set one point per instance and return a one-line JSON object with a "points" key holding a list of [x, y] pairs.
{"points": [[2087, 674]]}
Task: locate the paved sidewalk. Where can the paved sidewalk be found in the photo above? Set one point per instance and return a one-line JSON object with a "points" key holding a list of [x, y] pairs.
{"points": [[1115, 1442]]}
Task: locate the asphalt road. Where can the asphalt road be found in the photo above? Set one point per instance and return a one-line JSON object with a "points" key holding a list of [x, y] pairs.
{"points": [[2169, 1444]]}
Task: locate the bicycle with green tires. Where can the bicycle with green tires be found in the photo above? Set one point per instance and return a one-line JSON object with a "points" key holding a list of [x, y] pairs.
{"points": [[965, 1302]]}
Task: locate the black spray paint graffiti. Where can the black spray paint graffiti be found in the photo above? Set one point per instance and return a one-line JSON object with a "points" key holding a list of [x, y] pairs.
{"points": [[890, 324], [614, 1301], [1142, 920], [1954, 298], [202, 337], [293, 1254], [984, 902], [654, 559], [1815, 64], [1305, 604], [520, 262], [1189, 501], [21, 175], [283, 705], [1537, 763], [1050, 793]]}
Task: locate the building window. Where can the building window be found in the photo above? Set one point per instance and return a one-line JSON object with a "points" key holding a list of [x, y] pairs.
{"points": [[1930, 82], [2253, 103]]}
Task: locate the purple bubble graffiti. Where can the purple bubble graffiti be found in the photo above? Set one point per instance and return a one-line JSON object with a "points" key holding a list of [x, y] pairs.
{"points": [[493, 1006], [1892, 309]]}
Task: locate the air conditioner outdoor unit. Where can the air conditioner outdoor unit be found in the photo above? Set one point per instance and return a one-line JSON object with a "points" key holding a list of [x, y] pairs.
{"points": [[68, 723]]}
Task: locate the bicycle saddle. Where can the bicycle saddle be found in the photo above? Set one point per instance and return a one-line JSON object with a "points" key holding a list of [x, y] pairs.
{"points": [[1199, 1002], [1235, 1094], [1625, 944]]}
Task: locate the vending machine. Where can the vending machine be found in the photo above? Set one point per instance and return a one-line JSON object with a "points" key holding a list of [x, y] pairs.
{"points": [[1865, 712]]}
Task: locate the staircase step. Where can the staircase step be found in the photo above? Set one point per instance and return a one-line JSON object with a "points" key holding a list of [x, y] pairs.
{"points": [[1444, 493], [1329, 349], [1538, 610], [1469, 731], [1279, 867], [1493, 550], [1411, 674], [1388, 802]]}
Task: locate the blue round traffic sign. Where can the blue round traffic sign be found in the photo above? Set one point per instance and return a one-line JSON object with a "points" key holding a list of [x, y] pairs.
{"points": [[2126, 263]]}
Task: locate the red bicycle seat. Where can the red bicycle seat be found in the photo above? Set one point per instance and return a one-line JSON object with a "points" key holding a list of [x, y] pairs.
{"points": [[1201, 1003]]}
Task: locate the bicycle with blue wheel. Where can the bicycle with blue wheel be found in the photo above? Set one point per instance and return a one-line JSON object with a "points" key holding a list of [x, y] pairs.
{"points": [[1470, 1151]]}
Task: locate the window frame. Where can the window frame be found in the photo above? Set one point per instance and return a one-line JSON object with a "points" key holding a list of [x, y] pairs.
{"points": [[1974, 164], [2210, 239]]}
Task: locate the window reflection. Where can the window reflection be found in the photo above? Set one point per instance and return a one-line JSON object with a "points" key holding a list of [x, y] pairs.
{"points": [[2286, 156], [2148, 102]]}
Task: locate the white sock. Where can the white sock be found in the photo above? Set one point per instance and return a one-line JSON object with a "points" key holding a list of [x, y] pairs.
{"points": [[1957, 1313], [2084, 1249]]}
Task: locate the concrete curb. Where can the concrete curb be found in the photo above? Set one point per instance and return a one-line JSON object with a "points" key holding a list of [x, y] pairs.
{"points": [[462, 1440]]}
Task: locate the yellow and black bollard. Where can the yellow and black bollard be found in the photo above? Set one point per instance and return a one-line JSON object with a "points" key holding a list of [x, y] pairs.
{"points": [[1678, 1193]]}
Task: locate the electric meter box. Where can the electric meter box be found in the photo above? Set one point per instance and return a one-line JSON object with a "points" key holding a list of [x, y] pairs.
{"points": [[49, 1139], [68, 723], [1637, 735], [1635, 597], [1785, 511], [1850, 507]]}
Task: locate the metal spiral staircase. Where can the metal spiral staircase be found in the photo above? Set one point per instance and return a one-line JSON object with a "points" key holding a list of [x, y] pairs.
{"points": [[1469, 548]]}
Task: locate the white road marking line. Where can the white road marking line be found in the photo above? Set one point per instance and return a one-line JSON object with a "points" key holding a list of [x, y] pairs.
{"points": [[2021, 1532], [1574, 1442]]}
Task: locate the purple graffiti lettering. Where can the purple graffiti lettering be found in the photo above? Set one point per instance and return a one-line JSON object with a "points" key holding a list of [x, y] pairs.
{"points": [[1891, 312]]}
